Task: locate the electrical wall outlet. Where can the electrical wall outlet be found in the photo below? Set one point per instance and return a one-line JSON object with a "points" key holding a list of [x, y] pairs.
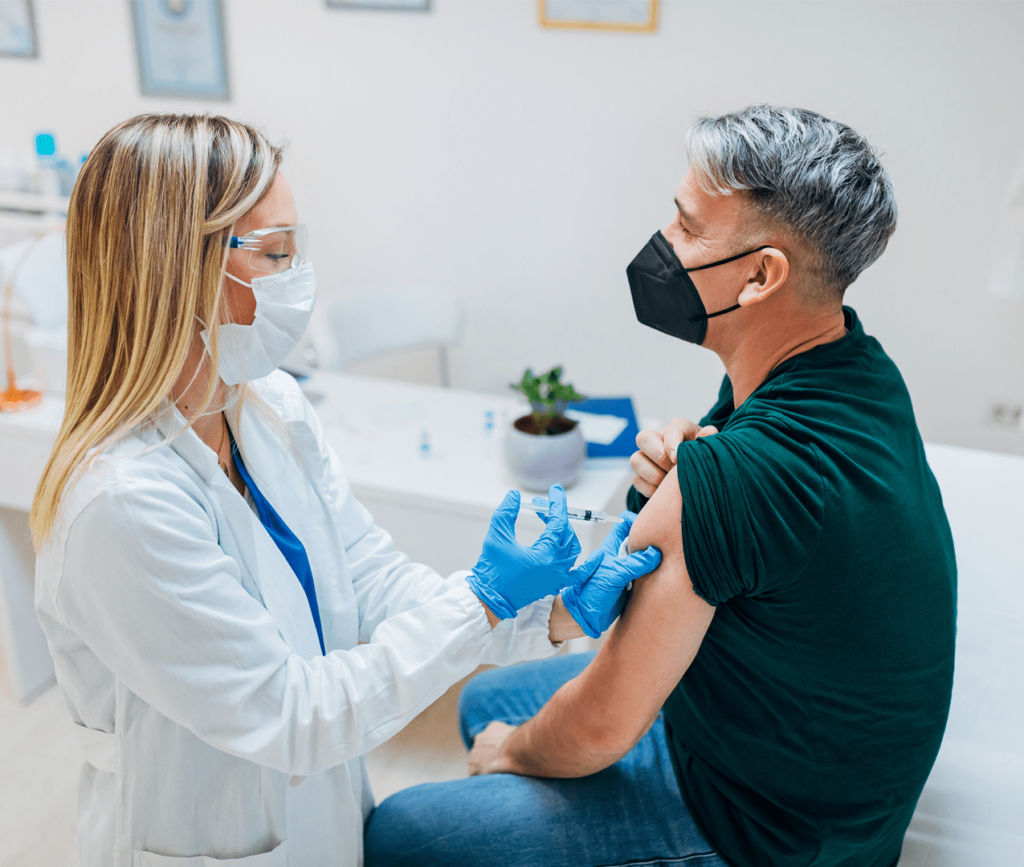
{"points": [[1009, 416]]}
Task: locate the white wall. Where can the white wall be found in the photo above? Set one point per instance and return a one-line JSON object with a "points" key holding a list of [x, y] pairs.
{"points": [[523, 168]]}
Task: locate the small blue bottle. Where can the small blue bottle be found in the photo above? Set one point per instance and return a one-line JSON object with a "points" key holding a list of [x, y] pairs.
{"points": [[58, 175]]}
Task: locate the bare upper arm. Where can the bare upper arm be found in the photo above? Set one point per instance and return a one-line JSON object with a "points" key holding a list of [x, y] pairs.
{"points": [[658, 634]]}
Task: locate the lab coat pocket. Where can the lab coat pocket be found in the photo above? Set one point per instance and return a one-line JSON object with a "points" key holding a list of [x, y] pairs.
{"points": [[276, 857], [98, 747]]}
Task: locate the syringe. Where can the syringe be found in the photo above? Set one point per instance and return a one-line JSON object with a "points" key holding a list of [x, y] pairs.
{"points": [[575, 514]]}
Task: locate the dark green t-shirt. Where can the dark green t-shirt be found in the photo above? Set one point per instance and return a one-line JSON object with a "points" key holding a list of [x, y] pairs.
{"points": [[805, 729]]}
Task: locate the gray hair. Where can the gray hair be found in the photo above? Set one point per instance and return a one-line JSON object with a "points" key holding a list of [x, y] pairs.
{"points": [[809, 174]]}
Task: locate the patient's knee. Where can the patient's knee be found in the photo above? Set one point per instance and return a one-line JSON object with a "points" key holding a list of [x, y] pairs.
{"points": [[420, 827], [475, 703]]}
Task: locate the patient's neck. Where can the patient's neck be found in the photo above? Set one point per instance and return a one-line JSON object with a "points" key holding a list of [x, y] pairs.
{"points": [[770, 340]]}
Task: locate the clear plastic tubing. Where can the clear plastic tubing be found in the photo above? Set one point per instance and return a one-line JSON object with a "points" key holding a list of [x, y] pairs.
{"points": [[575, 514]]}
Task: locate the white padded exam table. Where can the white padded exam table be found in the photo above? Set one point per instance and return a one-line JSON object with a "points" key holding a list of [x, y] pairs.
{"points": [[971, 813]]}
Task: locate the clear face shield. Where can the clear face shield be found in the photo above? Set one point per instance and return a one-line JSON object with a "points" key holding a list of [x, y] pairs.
{"points": [[274, 250]]}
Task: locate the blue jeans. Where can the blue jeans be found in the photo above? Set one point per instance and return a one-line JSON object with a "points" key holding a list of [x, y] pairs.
{"points": [[630, 813]]}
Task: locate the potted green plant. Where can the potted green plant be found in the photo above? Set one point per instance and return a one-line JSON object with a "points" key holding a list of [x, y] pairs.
{"points": [[544, 447]]}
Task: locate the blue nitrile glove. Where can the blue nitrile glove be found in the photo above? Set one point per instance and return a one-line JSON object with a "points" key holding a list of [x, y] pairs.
{"points": [[509, 576], [595, 604]]}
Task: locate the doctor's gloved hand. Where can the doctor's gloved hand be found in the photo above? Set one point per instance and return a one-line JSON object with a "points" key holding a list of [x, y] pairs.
{"points": [[596, 603], [509, 576]]}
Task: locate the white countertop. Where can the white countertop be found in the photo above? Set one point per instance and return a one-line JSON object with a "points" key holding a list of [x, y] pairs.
{"points": [[376, 426]]}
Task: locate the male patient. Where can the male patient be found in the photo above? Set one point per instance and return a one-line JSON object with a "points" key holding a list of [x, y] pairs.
{"points": [[775, 693]]}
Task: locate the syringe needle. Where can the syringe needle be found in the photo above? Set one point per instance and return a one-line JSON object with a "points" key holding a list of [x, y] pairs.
{"points": [[575, 514]]}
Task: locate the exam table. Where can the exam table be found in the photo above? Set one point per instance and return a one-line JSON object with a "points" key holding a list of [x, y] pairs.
{"points": [[971, 813]]}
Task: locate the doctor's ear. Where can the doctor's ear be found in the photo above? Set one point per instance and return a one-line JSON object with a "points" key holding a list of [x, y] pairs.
{"points": [[772, 271]]}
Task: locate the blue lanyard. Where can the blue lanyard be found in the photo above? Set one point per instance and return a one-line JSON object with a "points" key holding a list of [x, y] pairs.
{"points": [[287, 542]]}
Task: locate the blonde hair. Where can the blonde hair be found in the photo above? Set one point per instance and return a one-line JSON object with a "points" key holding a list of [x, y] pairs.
{"points": [[147, 231]]}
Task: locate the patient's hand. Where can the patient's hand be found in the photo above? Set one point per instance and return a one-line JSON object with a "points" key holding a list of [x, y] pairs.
{"points": [[485, 757], [656, 453]]}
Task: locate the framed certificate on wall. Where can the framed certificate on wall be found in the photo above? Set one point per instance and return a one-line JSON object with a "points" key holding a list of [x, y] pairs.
{"points": [[634, 16], [408, 5], [181, 48], [17, 29]]}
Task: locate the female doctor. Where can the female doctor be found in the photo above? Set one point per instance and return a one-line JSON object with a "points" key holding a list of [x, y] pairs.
{"points": [[231, 631]]}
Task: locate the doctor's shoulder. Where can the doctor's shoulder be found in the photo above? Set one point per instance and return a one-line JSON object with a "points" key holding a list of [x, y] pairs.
{"points": [[279, 400], [123, 487], [281, 394]]}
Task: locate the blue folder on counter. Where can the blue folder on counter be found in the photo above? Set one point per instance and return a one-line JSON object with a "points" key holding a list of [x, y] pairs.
{"points": [[625, 443]]}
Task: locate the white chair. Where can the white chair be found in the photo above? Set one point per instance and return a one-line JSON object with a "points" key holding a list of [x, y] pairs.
{"points": [[362, 324]]}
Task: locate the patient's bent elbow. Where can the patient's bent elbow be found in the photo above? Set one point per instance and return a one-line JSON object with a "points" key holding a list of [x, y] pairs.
{"points": [[602, 743]]}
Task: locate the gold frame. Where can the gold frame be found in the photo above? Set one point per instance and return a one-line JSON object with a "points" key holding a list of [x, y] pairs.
{"points": [[649, 26]]}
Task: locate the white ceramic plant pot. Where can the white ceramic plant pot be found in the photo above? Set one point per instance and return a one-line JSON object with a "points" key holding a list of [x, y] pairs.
{"points": [[537, 462]]}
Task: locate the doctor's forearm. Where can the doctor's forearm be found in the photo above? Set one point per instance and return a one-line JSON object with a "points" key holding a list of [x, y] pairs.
{"points": [[492, 619], [561, 626]]}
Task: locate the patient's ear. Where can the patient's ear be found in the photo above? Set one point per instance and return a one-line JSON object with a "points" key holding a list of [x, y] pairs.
{"points": [[772, 271]]}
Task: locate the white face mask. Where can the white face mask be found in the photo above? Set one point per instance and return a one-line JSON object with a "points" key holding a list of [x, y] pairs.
{"points": [[284, 303]]}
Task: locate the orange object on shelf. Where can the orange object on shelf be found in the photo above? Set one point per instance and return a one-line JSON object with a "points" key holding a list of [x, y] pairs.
{"points": [[16, 399]]}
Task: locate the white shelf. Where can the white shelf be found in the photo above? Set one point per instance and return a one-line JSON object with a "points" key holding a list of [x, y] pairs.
{"points": [[33, 203]]}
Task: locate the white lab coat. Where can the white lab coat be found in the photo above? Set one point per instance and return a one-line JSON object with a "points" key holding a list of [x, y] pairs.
{"points": [[188, 658]]}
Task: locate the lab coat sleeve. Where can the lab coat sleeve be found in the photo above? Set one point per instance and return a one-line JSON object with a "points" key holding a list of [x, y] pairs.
{"points": [[149, 590], [521, 638], [387, 583]]}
